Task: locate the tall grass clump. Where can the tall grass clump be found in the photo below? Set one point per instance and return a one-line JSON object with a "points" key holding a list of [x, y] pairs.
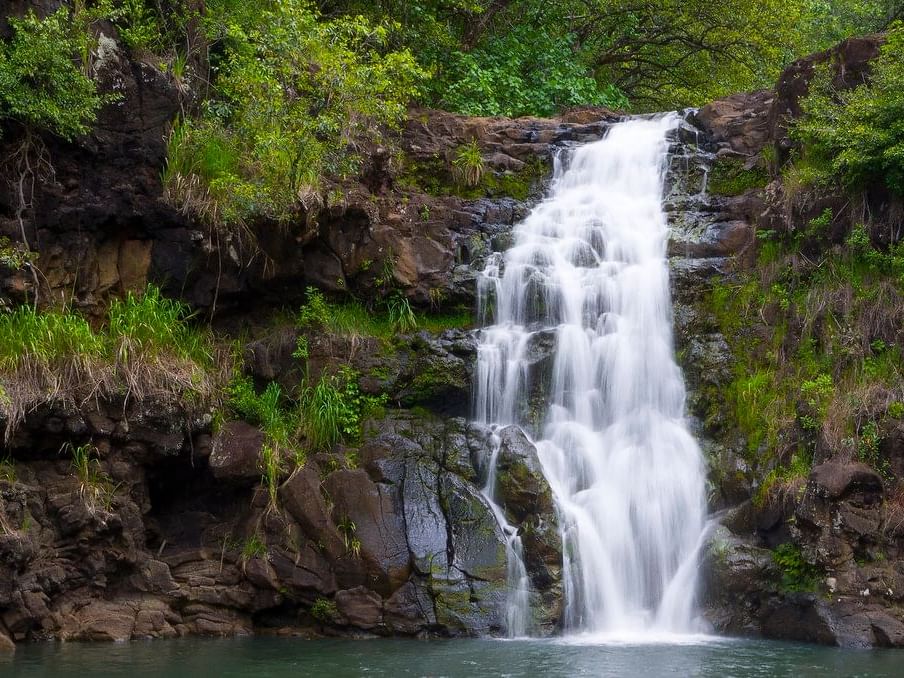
{"points": [[392, 317], [333, 409], [279, 422], [146, 347]]}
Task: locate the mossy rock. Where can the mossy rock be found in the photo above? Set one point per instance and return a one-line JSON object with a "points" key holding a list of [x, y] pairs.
{"points": [[732, 176], [434, 177]]}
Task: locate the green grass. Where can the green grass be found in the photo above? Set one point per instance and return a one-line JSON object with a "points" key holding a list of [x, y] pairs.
{"points": [[815, 352], [467, 164], [353, 319], [95, 486], [148, 345], [31, 337], [150, 324], [254, 547], [334, 409], [8, 469], [279, 421]]}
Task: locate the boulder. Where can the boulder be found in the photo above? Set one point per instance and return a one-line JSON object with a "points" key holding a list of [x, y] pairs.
{"points": [[741, 120], [360, 607], [521, 488], [837, 481], [369, 518], [235, 453]]}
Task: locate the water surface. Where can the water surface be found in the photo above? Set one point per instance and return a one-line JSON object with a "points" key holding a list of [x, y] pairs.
{"points": [[273, 657]]}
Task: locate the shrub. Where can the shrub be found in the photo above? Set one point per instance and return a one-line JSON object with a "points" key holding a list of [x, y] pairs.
{"points": [[856, 134], [467, 164], [41, 85], [294, 96], [797, 573], [334, 409]]}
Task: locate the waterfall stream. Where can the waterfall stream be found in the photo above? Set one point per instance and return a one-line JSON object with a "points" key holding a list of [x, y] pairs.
{"points": [[588, 271]]}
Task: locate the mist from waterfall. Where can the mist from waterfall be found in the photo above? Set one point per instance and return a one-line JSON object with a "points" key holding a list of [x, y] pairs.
{"points": [[588, 271]]}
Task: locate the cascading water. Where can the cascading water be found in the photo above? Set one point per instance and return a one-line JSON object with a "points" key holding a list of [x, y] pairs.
{"points": [[588, 267]]}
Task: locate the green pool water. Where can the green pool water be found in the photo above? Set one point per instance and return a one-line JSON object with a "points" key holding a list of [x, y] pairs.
{"points": [[263, 657]]}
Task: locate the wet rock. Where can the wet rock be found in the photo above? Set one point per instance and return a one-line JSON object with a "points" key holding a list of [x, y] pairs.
{"points": [[409, 610], [521, 487], [360, 607], [235, 455], [369, 518], [7, 646]]}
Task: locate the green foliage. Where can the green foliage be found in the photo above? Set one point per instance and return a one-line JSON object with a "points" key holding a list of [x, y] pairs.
{"points": [[856, 134], [401, 317], [868, 442], [816, 393], [348, 531], [139, 25], [8, 469], [797, 574], [41, 85], [254, 547], [147, 344], [730, 176], [149, 324], [53, 338], [353, 319], [783, 477], [524, 70], [324, 611], [279, 423], [265, 409], [293, 97], [95, 486], [14, 255], [333, 409], [467, 164]]}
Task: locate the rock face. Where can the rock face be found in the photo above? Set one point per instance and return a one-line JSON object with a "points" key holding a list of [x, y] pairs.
{"points": [[403, 542], [102, 226], [821, 562]]}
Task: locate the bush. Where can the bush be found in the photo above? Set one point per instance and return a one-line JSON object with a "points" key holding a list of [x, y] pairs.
{"points": [[334, 409], [521, 71], [294, 97], [41, 85], [856, 135], [797, 573]]}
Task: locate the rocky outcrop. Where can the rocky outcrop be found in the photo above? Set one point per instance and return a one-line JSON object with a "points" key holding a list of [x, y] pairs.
{"points": [[849, 66], [101, 225], [394, 537]]}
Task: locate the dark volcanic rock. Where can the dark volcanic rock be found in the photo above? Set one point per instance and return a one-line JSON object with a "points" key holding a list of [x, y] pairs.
{"points": [[235, 456]]}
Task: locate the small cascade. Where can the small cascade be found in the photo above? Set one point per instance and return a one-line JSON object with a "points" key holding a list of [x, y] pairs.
{"points": [[588, 268], [517, 613]]}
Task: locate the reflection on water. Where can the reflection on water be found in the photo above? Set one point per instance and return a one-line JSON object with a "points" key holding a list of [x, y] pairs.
{"points": [[274, 657]]}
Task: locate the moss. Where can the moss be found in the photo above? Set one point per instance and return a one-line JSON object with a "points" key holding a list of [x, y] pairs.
{"points": [[434, 379], [434, 177], [729, 176]]}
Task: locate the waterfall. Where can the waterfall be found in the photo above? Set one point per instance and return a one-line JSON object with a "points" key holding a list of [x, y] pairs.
{"points": [[588, 268]]}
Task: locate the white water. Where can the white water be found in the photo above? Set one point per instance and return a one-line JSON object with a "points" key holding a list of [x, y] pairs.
{"points": [[589, 266]]}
